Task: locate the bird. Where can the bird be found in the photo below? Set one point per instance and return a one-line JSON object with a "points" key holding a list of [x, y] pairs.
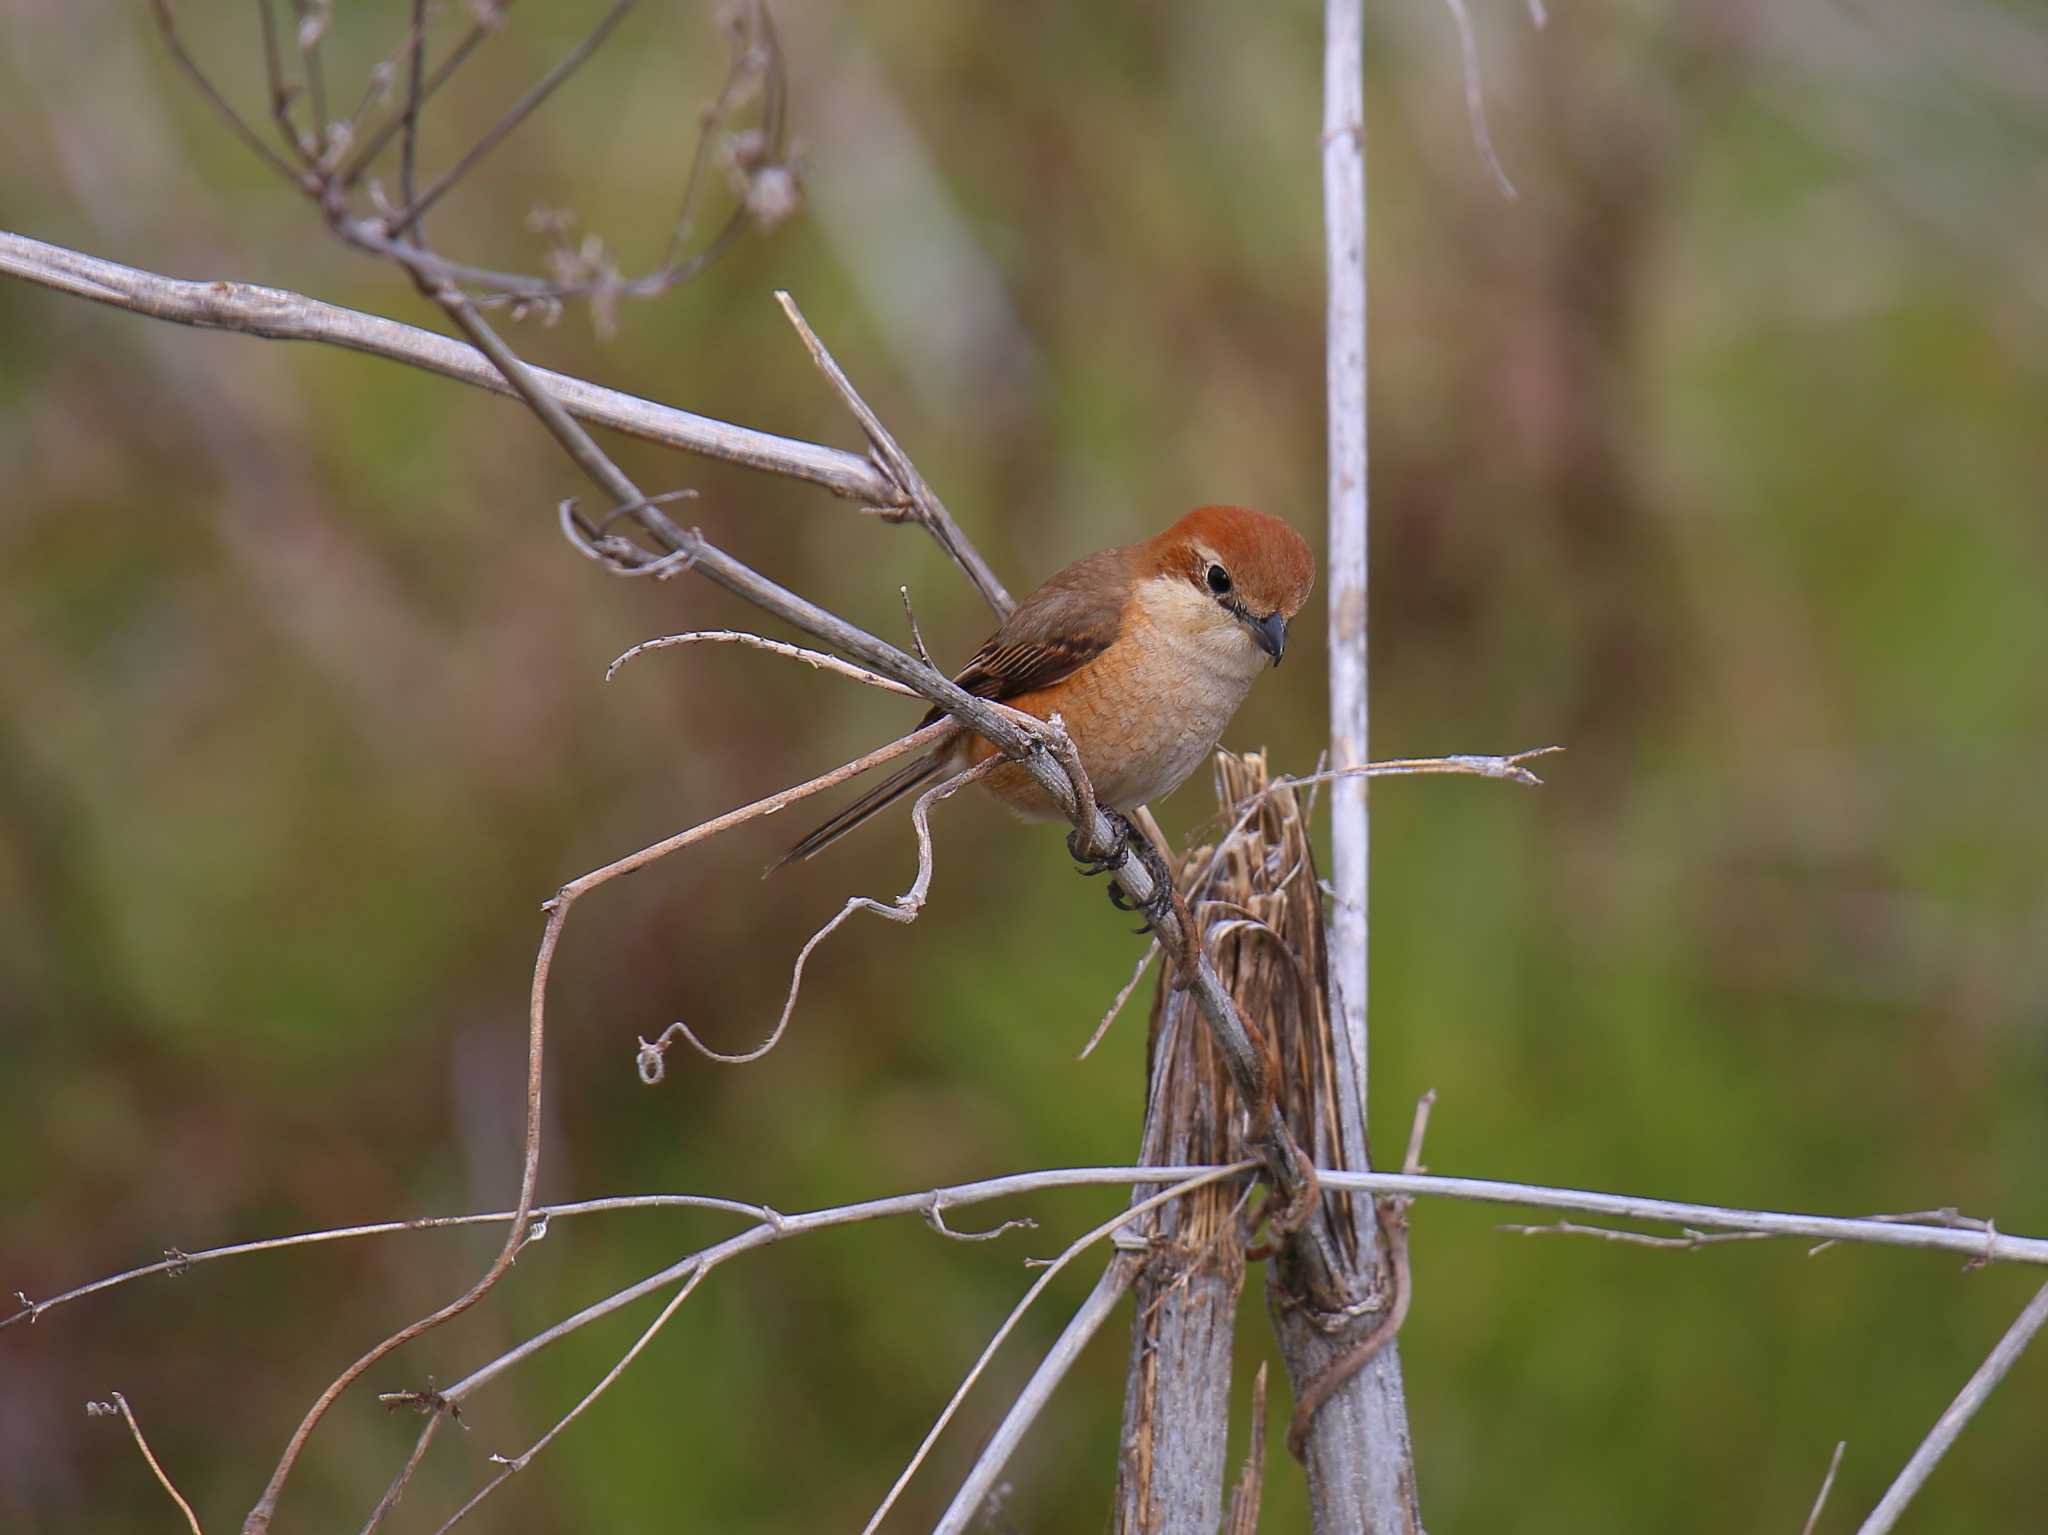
{"points": [[1144, 651]]}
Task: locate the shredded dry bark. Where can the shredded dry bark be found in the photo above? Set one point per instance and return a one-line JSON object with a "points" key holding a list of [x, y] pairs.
{"points": [[1257, 902]]}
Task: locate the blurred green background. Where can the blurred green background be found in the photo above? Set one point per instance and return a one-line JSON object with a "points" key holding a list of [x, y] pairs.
{"points": [[1720, 456]]}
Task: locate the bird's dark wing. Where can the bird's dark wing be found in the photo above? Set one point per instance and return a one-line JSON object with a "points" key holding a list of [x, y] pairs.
{"points": [[1053, 633]]}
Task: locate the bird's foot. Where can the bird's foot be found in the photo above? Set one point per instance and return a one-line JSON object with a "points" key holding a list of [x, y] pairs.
{"points": [[1156, 907], [1164, 901], [1090, 867], [1128, 840]]}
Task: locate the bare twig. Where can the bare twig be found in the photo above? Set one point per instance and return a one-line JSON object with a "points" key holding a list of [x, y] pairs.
{"points": [[1947, 1215], [1952, 1422], [180, 1262], [1081, 1328], [487, 23], [1687, 1240], [377, 86], [1992, 1248], [1509, 767], [1867, 1230], [314, 18], [905, 908], [513, 116], [753, 42], [280, 315], [1123, 995], [812, 658], [330, 165], [259, 1517], [437, 1412], [1086, 1322], [280, 94], [769, 805], [1475, 98], [916, 634], [914, 498], [409, 120], [783, 1227], [166, 20], [514, 1464], [119, 1405], [1827, 1484], [935, 1217], [1411, 1160]]}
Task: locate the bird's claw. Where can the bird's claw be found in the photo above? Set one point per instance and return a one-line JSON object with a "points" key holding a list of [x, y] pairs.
{"points": [[1090, 867], [1129, 841], [1160, 906]]}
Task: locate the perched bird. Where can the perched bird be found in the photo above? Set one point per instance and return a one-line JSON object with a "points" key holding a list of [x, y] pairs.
{"points": [[1144, 652]]}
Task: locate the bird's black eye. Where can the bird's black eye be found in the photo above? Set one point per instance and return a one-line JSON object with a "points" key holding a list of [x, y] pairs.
{"points": [[1219, 580]]}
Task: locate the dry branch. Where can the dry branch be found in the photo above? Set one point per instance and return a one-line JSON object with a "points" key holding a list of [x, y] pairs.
{"points": [[812, 658], [513, 1464], [1874, 1231], [119, 1406], [919, 501], [1172, 1451], [905, 908], [1827, 1485], [326, 166], [1085, 1323], [280, 315]]}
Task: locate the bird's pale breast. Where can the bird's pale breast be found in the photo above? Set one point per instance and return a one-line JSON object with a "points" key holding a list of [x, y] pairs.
{"points": [[1151, 708]]}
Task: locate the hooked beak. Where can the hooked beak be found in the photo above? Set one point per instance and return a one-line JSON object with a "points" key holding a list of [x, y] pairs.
{"points": [[1271, 634]]}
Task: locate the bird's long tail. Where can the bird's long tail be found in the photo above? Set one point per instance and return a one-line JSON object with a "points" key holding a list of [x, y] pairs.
{"points": [[883, 794]]}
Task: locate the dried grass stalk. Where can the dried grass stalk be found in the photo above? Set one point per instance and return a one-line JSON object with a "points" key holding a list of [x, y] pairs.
{"points": [[1255, 897]]}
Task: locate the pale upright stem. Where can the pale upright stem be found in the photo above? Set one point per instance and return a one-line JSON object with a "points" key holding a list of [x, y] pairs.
{"points": [[1360, 1467], [1344, 226]]}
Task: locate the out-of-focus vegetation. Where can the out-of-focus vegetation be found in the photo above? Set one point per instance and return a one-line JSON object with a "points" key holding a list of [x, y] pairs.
{"points": [[1721, 457]]}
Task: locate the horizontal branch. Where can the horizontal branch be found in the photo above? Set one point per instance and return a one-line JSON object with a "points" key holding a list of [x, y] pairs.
{"points": [[1988, 1245], [278, 314]]}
